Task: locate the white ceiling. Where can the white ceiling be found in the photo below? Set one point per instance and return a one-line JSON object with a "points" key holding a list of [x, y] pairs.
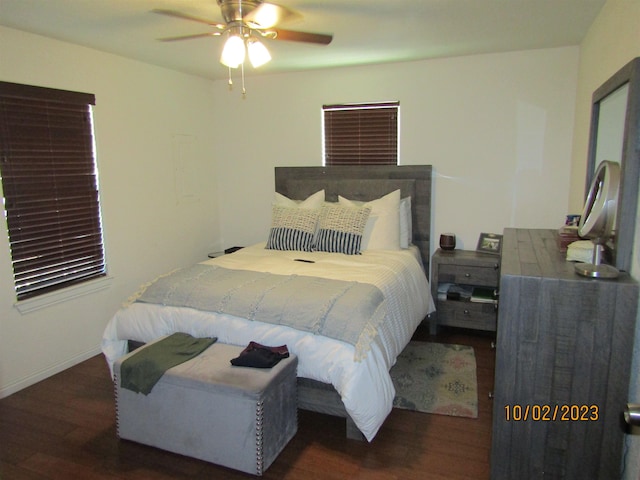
{"points": [[364, 31]]}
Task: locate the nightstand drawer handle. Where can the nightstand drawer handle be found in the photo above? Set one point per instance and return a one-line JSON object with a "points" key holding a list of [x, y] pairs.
{"points": [[466, 312], [468, 275]]}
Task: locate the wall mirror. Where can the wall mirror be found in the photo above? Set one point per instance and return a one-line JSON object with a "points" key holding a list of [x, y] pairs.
{"points": [[615, 136]]}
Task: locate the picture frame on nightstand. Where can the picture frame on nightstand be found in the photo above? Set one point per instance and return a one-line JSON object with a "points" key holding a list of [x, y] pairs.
{"points": [[490, 243]]}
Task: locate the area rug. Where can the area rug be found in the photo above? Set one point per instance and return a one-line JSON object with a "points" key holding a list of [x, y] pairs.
{"points": [[436, 378]]}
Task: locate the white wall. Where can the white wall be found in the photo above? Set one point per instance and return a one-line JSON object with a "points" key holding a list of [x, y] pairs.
{"points": [[497, 129], [612, 41], [157, 165]]}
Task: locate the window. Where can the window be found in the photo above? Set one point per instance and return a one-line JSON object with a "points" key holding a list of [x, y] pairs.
{"points": [[361, 134], [50, 184]]}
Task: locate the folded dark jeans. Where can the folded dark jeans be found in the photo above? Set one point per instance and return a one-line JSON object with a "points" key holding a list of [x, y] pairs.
{"points": [[260, 356]]}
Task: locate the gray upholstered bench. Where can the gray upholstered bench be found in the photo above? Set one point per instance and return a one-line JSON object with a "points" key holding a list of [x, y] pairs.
{"points": [[205, 408]]}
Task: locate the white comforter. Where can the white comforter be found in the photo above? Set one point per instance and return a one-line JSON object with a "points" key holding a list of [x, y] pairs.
{"points": [[365, 386]]}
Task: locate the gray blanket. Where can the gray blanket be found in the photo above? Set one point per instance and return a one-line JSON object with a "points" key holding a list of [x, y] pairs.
{"points": [[342, 310]]}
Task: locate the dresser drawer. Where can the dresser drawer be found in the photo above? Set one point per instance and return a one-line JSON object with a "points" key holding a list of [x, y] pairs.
{"points": [[469, 275], [477, 316]]}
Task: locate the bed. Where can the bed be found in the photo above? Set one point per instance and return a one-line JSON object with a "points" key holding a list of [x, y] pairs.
{"points": [[344, 359]]}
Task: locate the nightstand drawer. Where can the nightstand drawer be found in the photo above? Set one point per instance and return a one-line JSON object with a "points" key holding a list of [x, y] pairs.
{"points": [[478, 316], [469, 275]]}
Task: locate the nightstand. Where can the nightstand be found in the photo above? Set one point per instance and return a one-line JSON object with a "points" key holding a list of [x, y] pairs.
{"points": [[464, 286]]}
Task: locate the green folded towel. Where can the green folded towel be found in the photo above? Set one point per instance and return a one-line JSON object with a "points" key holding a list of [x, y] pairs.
{"points": [[142, 370]]}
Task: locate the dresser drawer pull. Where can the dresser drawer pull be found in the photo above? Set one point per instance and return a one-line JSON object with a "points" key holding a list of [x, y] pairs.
{"points": [[466, 312], [468, 275]]}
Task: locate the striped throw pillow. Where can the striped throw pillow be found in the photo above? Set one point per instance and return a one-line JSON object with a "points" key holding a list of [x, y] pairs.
{"points": [[292, 228], [340, 229]]}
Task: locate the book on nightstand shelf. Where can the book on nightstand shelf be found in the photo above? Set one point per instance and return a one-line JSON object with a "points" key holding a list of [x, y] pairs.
{"points": [[483, 295], [443, 288], [452, 291]]}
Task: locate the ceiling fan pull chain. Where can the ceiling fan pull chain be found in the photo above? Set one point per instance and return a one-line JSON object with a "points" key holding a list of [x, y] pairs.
{"points": [[244, 91], [230, 80]]}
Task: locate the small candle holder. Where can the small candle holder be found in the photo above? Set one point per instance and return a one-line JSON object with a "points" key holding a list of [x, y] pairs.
{"points": [[447, 241]]}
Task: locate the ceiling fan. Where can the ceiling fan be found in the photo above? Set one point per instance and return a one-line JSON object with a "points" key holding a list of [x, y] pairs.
{"points": [[245, 22]]}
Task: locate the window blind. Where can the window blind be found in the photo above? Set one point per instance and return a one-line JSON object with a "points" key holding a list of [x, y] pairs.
{"points": [[50, 185], [361, 134]]}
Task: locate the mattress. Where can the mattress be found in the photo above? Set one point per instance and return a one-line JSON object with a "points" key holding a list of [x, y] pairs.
{"points": [[364, 384]]}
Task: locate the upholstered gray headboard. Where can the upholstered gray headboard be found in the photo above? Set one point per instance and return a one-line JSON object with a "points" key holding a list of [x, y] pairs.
{"points": [[367, 182]]}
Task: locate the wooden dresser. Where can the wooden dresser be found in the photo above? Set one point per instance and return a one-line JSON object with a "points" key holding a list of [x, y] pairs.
{"points": [[563, 356]]}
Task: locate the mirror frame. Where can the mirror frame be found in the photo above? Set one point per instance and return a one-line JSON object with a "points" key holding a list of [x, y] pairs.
{"points": [[629, 160]]}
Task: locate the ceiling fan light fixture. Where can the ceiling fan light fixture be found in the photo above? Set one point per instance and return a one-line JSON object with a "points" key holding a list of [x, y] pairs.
{"points": [[265, 16], [233, 52], [258, 53], [244, 22]]}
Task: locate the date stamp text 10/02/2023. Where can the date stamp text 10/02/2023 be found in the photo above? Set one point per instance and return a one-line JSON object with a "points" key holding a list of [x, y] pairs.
{"points": [[551, 413]]}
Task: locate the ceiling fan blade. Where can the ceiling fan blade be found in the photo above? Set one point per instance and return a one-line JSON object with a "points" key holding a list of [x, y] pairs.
{"points": [[184, 16], [290, 35], [267, 15], [189, 37]]}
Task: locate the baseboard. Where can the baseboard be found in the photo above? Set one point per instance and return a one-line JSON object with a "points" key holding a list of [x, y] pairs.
{"points": [[35, 378]]}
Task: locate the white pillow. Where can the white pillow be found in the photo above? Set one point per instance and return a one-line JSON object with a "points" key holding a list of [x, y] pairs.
{"points": [[406, 225], [382, 231], [313, 201]]}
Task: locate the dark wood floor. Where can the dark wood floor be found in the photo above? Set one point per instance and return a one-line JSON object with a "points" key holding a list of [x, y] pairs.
{"points": [[64, 428]]}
